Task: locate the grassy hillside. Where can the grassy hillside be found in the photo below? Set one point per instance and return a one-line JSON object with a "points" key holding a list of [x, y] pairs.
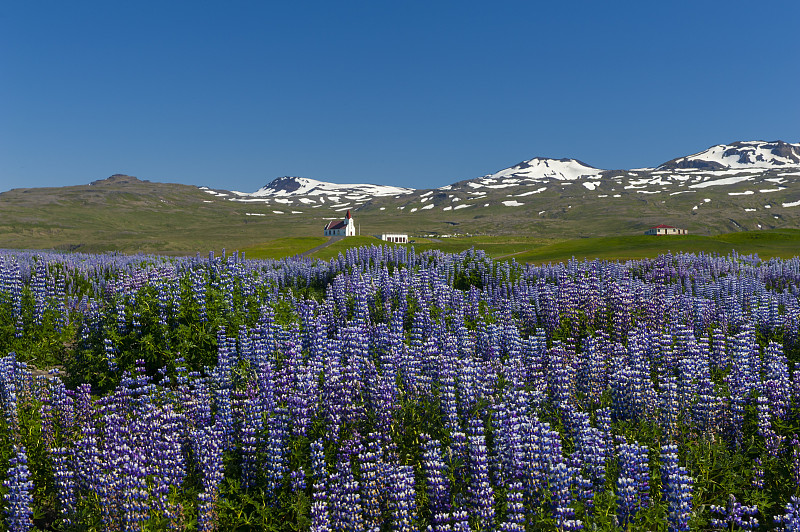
{"points": [[133, 216], [125, 214]]}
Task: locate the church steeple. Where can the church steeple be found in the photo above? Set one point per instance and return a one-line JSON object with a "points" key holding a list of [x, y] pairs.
{"points": [[350, 226]]}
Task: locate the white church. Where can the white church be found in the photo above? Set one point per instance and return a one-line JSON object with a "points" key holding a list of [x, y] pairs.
{"points": [[344, 227]]}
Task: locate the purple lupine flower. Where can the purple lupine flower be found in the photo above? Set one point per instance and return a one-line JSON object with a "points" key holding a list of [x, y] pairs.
{"points": [[121, 319], [111, 354], [135, 505], [479, 488], [404, 506], [757, 480], [515, 511], [743, 378], [631, 390], [64, 480], [461, 520], [676, 489], [19, 515], [320, 520], [206, 515], [593, 374], [564, 514], [790, 519], [603, 423], [371, 492], [772, 440], [198, 284], [8, 390], [592, 445], [777, 384], [165, 459], [337, 507], [447, 386], [707, 408], [275, 466], [87, 459], [457, 457], [488, 370], [734, 514], [251, 427], [345, 497], [436, 483], [633, 486], [561, 376], [207, 447]]}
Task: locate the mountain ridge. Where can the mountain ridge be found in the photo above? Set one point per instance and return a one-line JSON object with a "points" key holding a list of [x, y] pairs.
{"points": [[288, 185], [740, 154], [540, 196], [736, 155]]}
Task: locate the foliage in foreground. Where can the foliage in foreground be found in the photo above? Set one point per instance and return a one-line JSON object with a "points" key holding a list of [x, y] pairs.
{"points": [[389, 390]]}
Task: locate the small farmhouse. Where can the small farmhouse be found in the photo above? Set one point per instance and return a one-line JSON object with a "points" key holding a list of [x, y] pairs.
{"points": [[666, 230], [395, 238], [344, 227]]}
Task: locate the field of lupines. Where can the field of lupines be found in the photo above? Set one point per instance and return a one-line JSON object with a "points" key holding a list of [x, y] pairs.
{"points": [[388, 390]]}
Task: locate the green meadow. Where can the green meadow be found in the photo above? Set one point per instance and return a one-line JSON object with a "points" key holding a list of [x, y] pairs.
{"points": [[783, 243], [283, 247], [766, 244]]}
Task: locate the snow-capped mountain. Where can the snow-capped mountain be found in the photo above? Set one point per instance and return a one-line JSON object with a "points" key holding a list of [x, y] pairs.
{"points": [[303, 186], [543, 169], [748, 154], [725, 164], [749, 184], [532, 171], [310, 193], [756, 184]]}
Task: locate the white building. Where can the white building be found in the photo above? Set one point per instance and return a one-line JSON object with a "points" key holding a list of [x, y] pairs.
{"points": [[395, 238], [344, 227], [666, 230]]}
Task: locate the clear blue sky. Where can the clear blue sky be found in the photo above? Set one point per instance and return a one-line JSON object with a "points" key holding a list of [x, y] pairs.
{"points": [[415, 93]]}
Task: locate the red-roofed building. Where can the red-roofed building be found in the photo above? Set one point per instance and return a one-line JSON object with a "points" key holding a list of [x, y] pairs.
{"points": [[665, 230], [344, 227]]}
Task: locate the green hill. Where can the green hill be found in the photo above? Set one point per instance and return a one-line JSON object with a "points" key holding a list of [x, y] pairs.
{"points": [[123, 213]]}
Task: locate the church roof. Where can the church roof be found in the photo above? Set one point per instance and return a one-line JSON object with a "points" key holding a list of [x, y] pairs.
{"points": [[340, 224]]}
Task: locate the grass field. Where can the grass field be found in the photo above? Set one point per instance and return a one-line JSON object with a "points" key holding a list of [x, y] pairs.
{"points": [[495, 246], [784, 243], [777, 243], [124, 214], [283, 247], [343, 245]]}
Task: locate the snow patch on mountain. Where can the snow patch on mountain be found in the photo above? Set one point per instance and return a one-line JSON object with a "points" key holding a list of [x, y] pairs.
{"points": [[723, 181], [725, 169], [543, 169], [303, 186], [746, 154], [530, 192]]}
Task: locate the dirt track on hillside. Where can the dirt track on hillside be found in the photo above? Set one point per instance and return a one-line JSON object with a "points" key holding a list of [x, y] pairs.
{"points": [[330, 241]]}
